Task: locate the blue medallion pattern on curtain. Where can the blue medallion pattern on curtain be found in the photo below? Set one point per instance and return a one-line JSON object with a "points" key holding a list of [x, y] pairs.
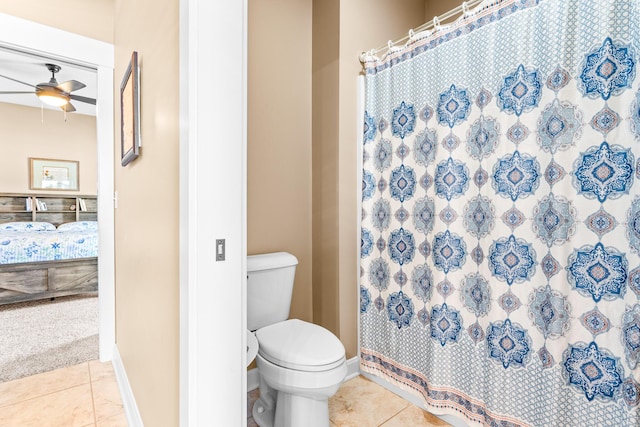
{"points": [[500, 231]]}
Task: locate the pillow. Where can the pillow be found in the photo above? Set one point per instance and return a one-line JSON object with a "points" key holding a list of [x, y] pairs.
{"points": [[27, 226], [78, 226]]}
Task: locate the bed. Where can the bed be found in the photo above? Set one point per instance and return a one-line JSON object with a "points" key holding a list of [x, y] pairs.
{"points": [[39, 260]]}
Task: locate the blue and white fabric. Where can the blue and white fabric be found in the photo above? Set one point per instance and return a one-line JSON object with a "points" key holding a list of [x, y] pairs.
{"points": [[20, 246], [27, 226], [500, 239], [78, 226]]}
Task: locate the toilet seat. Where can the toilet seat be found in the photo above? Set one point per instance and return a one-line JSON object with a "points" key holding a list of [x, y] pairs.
{"points": [[300, 345]]}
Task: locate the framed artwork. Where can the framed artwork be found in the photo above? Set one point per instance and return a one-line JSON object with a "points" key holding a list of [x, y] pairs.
{"points": [[52, 174], [130, 112]]}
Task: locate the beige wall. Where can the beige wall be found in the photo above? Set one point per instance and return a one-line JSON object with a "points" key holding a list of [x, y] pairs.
{"points": [[146, 220], [361, 25], [326, 64], [438, 7], [32, 132], [92, 18], [279, 138]]}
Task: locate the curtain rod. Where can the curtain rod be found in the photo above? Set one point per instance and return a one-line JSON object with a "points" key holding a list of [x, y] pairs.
{"points": [[464, 8]]}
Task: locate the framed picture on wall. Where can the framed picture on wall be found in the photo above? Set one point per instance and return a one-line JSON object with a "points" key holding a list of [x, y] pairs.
{"points": [[130, 112], [52, 174]]}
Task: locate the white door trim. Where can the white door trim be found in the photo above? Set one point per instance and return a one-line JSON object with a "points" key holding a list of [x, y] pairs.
{"points": [[31, 37], [213, 377]]}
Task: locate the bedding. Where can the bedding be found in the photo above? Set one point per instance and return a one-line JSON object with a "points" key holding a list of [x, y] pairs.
{"points": [[78, 226], [27, 226], [21, 245]]}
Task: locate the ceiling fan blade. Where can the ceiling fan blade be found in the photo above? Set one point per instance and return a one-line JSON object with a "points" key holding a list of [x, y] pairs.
{"points": [[68, 107], [13, 92], [70, 86], [17, 81], [83, 99]]}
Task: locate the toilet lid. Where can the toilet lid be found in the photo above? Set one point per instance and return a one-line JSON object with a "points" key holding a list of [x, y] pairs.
{"points": [[300, 345]]}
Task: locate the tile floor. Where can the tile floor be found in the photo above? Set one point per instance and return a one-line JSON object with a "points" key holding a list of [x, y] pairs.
{"points": [[87, 395], [363, 403], [84, 395]]}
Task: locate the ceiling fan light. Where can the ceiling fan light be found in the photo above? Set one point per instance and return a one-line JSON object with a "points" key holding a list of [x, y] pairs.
{"points": [[53, 99]]}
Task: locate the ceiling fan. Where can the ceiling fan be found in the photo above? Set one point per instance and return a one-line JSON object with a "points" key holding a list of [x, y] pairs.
{"points": [[54, 94]]}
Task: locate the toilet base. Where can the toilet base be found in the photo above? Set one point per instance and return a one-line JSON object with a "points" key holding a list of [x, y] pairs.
{"points": [[263, 414], [292, 398], [291, 411]]}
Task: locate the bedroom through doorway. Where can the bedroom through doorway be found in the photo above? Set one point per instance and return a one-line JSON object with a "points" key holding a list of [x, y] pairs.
{"points": [[49, 307]]}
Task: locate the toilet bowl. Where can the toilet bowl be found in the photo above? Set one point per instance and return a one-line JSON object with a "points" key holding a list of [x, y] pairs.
{"points": [[301, 365]]}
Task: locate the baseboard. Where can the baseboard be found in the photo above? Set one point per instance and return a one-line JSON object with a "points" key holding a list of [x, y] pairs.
{"points": [[353, 370], [128, 400]]}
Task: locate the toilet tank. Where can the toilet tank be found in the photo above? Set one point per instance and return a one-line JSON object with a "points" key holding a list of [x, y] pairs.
{"points": [[269, 288]]}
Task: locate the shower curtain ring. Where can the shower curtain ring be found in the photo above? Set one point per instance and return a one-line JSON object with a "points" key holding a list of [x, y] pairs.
{"points": [[436, 23], [465, 8], [390, 44], [411, 33]]}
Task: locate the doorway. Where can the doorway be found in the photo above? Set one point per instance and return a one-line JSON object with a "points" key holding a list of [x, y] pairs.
{"points": [[32, 38]]}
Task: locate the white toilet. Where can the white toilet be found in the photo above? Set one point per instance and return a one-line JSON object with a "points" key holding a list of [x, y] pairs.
{"points": [[300, 364]]}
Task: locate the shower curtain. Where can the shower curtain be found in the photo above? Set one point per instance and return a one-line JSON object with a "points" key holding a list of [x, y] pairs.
{"points": [[500, 224]]}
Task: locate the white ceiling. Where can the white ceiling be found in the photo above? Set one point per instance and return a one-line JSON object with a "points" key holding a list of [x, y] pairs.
{"points": [[31, 69]]}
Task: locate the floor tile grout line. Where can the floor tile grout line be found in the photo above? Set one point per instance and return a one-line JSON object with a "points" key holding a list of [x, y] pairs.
{"points": [[48, 394], [5, 405], [41, 373], [45, 394], [90, 383], [394, 415], [93, 396], [41, 395]]}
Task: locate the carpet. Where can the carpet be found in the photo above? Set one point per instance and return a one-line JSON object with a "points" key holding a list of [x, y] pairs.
{"points": [[40, 336]]}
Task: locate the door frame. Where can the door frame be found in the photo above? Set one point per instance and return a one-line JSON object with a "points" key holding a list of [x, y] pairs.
{"points": [[213, 127], [33, 38]]}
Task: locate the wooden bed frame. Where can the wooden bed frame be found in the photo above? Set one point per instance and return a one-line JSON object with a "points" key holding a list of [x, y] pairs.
{"points": [[31, 281]]}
